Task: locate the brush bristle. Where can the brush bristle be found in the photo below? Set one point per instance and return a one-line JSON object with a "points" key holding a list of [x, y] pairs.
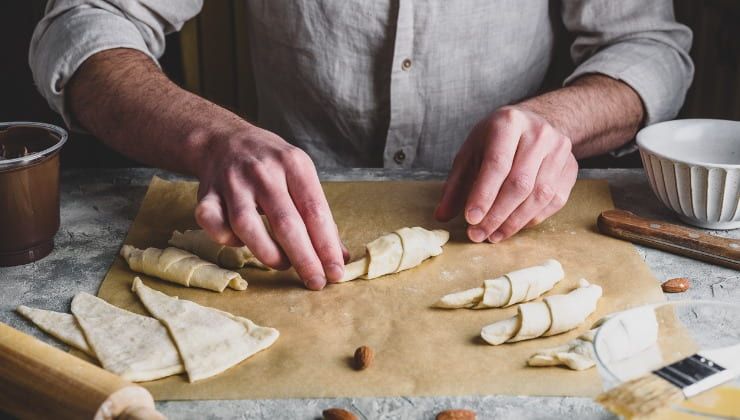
{"points": [[640, 398]]}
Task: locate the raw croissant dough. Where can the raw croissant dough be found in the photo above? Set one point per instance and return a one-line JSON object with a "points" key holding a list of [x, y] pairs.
{"points": [[133, 346], [182, 267], [576, 354], [554, 315], [230, 257], [62, 326], [512, 288], [210, 341], [403, 249]]}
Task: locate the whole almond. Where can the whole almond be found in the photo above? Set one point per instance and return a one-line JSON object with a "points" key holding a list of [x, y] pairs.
{"points": [[456, 415], [363, 357], [677, 285], [338, 414]]}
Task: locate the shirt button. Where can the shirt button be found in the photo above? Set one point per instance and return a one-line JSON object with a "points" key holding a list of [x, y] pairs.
{"points": [[406, 64], [399, 157]]}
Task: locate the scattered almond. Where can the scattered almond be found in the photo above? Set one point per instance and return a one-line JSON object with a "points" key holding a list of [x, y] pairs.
{"points": [[677, 285], [338, 414], [456, 415], [363, 357]]}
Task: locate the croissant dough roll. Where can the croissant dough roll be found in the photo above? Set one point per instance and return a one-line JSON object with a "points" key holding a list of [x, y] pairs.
{"points": [[403, 249], [198, 242], [554, 315], [178, 266], [512, 288]]}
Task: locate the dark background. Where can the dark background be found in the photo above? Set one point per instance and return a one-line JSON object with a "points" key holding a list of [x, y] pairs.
{"points": [[210, 57]]}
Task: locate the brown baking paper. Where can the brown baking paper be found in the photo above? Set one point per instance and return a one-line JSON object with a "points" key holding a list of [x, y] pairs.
{"points": [[419, 350]]}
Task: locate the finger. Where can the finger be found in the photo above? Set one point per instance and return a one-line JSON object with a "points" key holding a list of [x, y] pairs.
{"points": [[569, 174], [516, 188], [498, 156], [547, 184], [457, 186], [210, 215], [249, 227], [310, 201], [290, 231]]}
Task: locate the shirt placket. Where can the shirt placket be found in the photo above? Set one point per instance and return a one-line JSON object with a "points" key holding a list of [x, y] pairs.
{"points": [[403, 129]]}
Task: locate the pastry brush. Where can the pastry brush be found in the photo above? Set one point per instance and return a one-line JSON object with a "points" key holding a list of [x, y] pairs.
{"points": [[669, 385]]}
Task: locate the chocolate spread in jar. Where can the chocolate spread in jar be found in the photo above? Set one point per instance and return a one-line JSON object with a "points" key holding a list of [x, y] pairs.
{"points": [[29, 191]]}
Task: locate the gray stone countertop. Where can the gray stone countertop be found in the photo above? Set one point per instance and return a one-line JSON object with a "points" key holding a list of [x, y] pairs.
{"points": [[97, 207]]}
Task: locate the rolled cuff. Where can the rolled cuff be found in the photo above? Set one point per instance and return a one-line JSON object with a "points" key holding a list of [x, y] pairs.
{"points": [[59, 50], [658, 74]]}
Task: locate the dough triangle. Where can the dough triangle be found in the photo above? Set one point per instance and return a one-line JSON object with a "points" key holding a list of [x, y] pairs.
{"points": [[209, 340], [59, 325], [133, 346]]}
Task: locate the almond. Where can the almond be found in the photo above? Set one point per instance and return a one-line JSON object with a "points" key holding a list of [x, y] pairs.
{"points": [[456, 415], [338, 414], [363, 357], [677, 285]]}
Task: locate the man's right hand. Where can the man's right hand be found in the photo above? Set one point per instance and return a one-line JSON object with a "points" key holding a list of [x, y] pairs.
{"points": [[251, 170], [122, 97]]}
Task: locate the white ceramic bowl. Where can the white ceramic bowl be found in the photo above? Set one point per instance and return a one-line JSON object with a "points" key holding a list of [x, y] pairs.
{"points": [[694, 169]]}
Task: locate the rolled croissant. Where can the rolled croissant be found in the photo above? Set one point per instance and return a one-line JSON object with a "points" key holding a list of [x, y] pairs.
{"points": [[178, 266], [198, 242], [554, 315], [397, 251], [512, 288]]}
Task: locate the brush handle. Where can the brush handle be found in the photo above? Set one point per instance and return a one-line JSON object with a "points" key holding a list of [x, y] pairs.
{"points": [[38, 381], [692, 243]]}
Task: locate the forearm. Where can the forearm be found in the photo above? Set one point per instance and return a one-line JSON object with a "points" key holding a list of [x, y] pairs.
{"points": [[122, 98], [596, 112]]}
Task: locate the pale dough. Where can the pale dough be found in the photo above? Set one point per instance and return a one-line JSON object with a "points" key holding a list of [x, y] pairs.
{"points": [[135, 347], [209, 340], [60, 325], [230, 257], [182, 267], [403, 249], [512, 288], [576, 354], [554, 315]]}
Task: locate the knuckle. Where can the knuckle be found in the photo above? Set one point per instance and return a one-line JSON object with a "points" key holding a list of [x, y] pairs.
{"points": [[544, 193], [282, 221], [509, 114], [313, 209], [498, 162], [491, 222], [294, 157], [522, 183]]}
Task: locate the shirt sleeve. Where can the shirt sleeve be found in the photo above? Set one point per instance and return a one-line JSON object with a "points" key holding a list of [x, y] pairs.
{"points": [[73, 30], [636, 41]]}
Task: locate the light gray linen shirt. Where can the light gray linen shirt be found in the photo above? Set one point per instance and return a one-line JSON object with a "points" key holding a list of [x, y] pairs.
{"points": [[394, 83]]}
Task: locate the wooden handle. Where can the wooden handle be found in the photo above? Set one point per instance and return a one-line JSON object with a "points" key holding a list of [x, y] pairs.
{"points": [[39, 381], [677, 239]]}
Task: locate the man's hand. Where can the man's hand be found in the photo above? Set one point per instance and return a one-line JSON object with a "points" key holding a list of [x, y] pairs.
{"points": [[125, 100], [514, 170], [252, 170], [518, 165]]}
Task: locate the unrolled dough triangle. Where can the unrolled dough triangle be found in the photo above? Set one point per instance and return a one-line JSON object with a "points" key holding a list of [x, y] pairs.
{"points": [[209, 340], [133, 346], [59, 325]]}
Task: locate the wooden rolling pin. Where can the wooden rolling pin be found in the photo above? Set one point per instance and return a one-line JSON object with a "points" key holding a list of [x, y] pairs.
{"points": [[39, 381], [677, 239]]}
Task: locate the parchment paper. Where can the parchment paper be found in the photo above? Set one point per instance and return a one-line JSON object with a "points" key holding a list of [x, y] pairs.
{"points": [[419, 350]]}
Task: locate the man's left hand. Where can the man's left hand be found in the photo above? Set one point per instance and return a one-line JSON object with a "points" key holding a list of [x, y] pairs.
{"points": [[514, 170]]}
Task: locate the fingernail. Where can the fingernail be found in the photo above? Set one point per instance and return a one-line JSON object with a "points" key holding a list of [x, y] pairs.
{"points": [[316, 283], [496, 237], [476, 235], [474, 216], [334, 272]]}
